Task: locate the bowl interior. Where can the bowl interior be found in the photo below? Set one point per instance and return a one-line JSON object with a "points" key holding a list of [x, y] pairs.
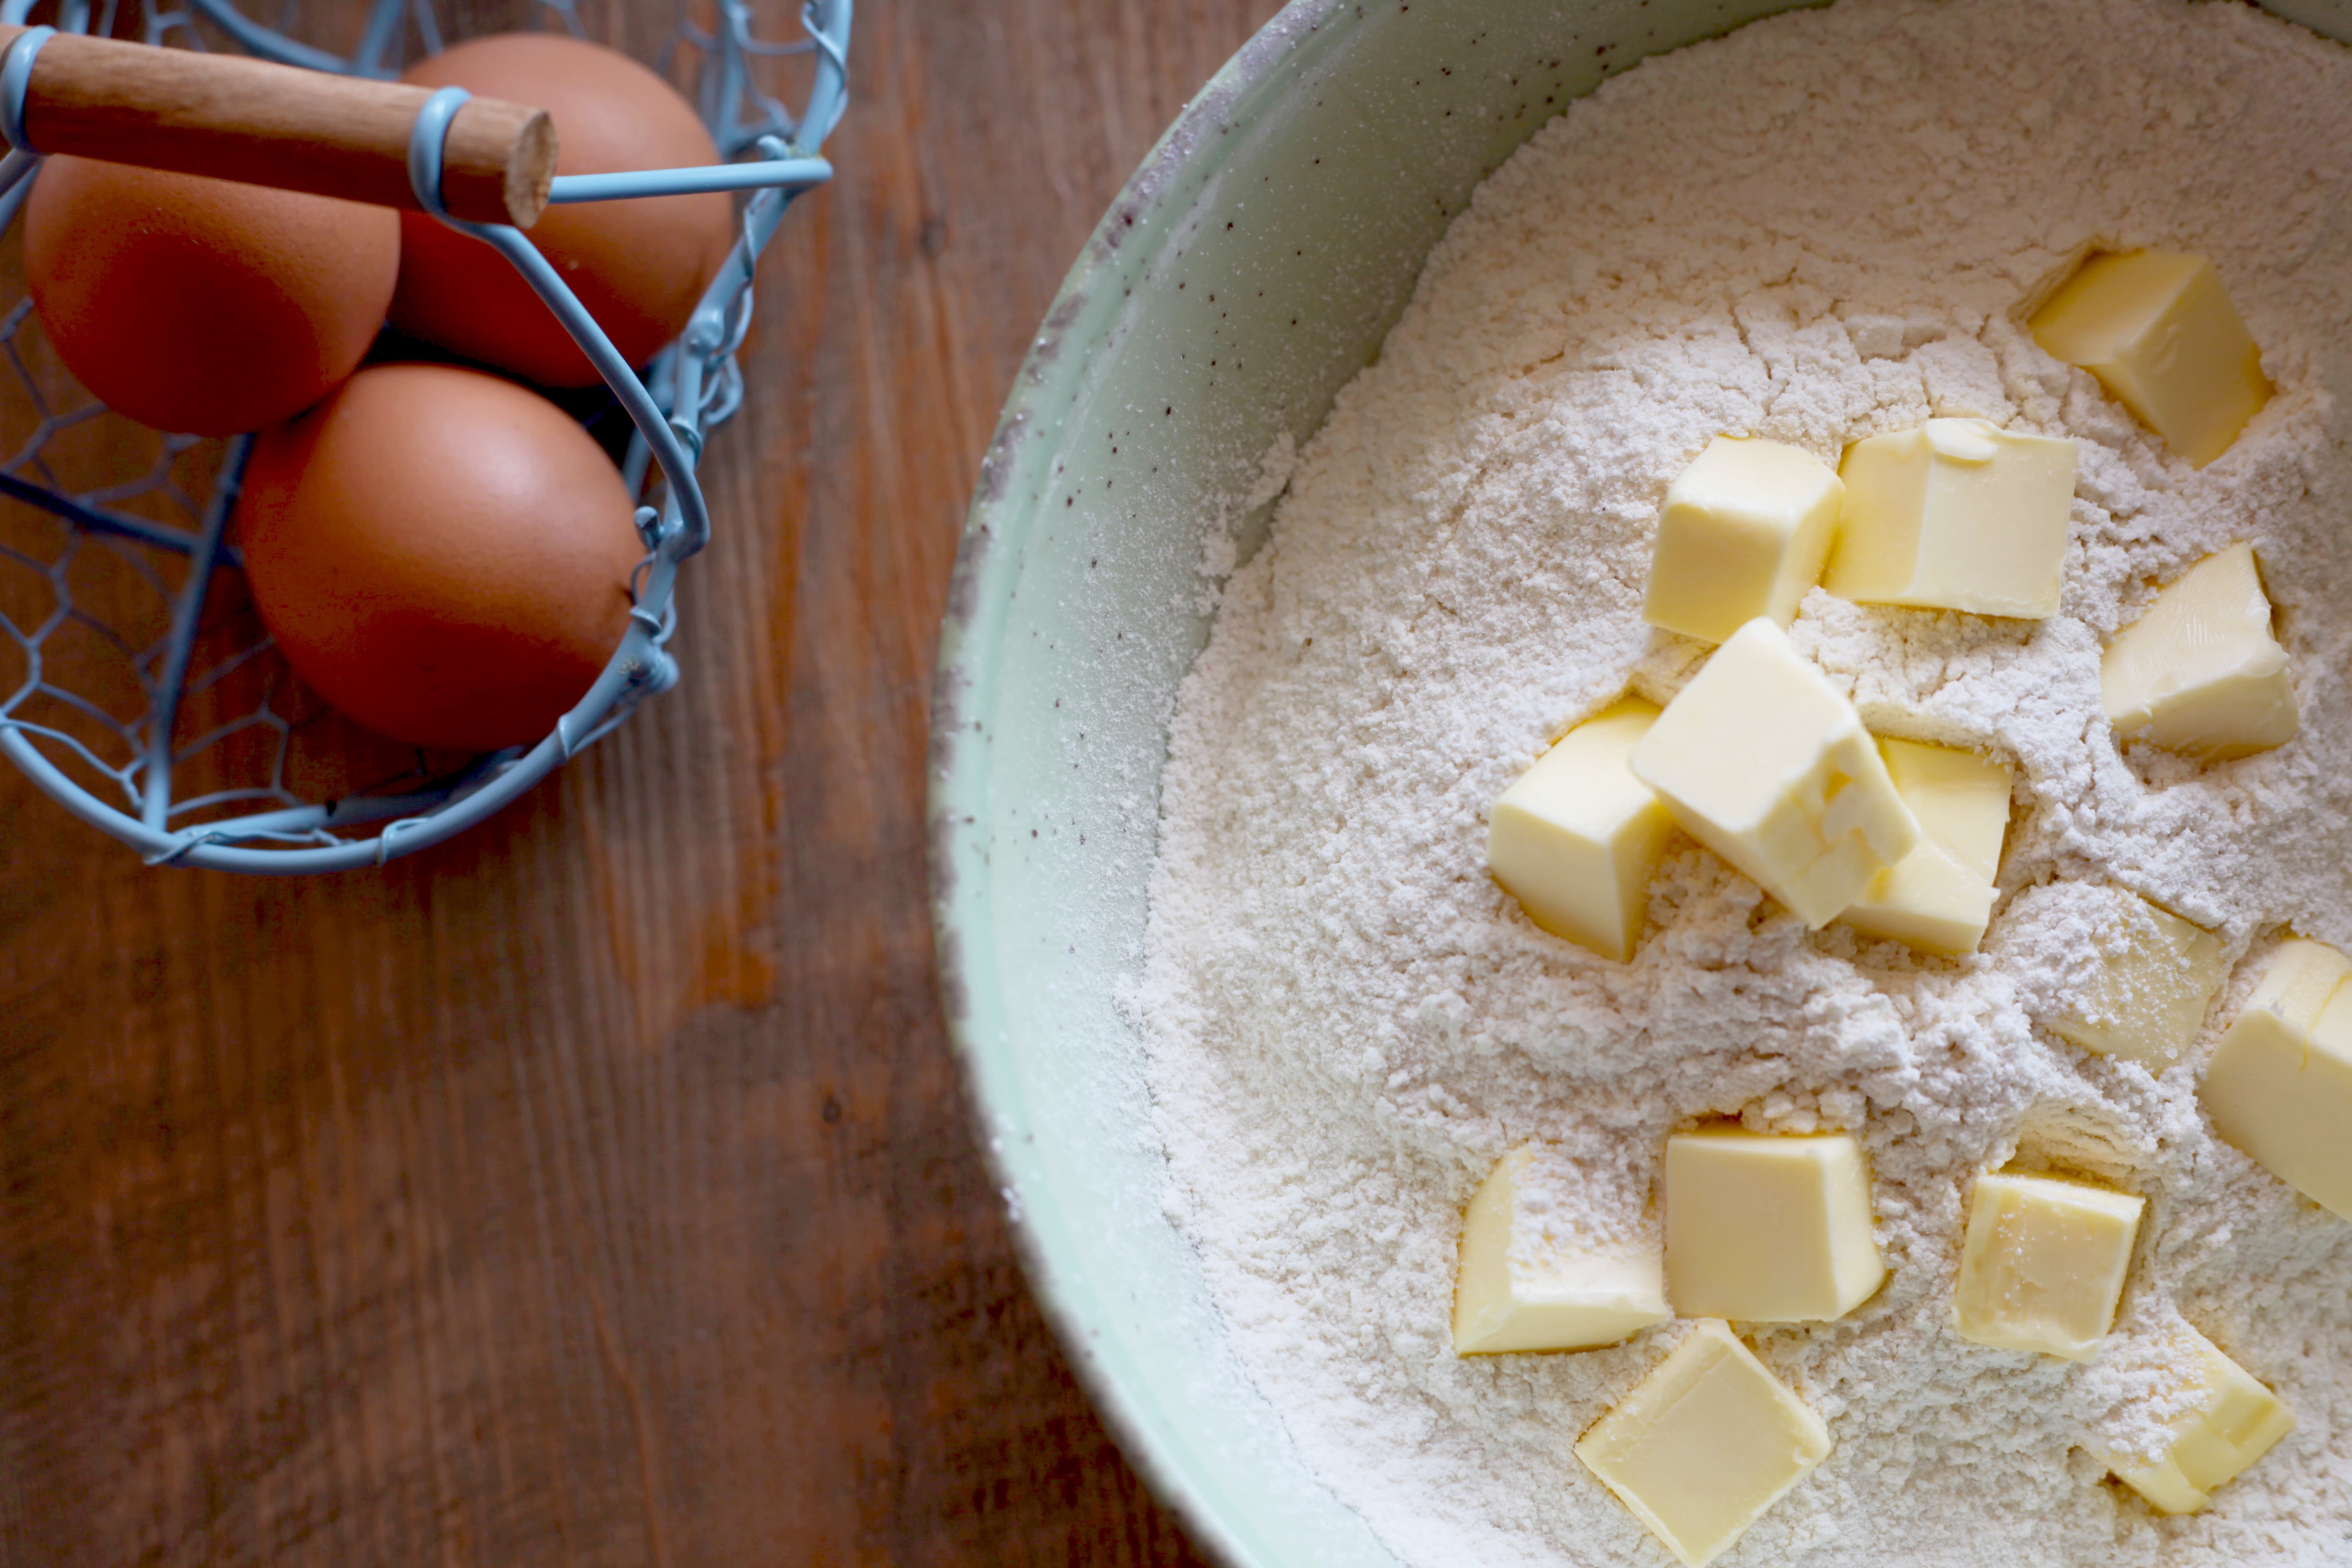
{"points": [[1250, 269]]}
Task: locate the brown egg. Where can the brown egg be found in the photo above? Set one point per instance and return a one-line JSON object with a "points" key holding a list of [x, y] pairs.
{"points": [[444, 556], [202, 305], [638, 265]]}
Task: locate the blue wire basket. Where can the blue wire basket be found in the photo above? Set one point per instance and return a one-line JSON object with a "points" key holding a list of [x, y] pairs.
{"points": [[147, 702]]}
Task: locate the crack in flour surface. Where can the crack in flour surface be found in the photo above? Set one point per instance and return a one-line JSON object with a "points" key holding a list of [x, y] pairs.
{"points": [[1815, 230]]}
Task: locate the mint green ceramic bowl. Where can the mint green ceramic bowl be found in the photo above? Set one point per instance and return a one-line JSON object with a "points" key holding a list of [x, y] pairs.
{"points": [[1250, 266]]}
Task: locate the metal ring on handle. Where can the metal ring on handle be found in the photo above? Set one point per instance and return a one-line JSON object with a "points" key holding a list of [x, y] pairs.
{"points": [[426, 138], [15, 77]]}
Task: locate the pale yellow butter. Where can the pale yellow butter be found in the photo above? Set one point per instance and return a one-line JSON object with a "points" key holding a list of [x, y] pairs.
{"points": [[1956, 514], [1577, 837], [1939, 897], [1744, 532], [2199, 672], [1525, 1283], [2280, 1084], [2159, 330], [1767, 764], [1707, 1443], [2237, 1422], [2043, 1264], [1768, 1228], [2156, 974]]}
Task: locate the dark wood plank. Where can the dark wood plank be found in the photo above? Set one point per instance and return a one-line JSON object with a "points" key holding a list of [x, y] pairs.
{"points": [[595, 1189]]}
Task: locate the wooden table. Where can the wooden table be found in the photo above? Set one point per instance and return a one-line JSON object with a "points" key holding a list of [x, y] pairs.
{"points": [[597, 1189]]}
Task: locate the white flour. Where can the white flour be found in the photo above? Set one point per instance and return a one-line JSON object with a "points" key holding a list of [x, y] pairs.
{"points": [[1812, 231]]}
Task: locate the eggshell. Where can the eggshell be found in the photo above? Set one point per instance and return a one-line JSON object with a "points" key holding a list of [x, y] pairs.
{"points": [[202, 305], [639, 267], [442, 554]]}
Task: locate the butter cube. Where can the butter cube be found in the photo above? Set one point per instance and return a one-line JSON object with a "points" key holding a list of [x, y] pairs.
{"points": [[2199, 672], [1768, 1228], [2156, 974], [2043, 1264], [1577, 837], [2280, 1084], [1709, 1442], [2159, 332], [1957, 514], [1766, 763], [1743, 535], [2236, 1421], [1937, 898], [1523, 1286]]}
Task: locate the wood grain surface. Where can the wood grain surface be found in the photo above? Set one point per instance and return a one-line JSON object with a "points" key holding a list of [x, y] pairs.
{"points": [[597, 1189]]}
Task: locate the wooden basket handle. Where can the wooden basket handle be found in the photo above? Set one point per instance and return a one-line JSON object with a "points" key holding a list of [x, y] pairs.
{"points": [[235, 118]]}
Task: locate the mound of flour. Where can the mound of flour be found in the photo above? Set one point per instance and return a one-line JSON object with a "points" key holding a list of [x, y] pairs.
{"points": [[1818, 228]]}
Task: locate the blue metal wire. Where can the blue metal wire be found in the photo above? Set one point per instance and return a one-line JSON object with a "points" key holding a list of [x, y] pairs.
{"points": [[155, 782], [667, 440], [691, 388], [271, 45], [15, 72], [796, 174]]}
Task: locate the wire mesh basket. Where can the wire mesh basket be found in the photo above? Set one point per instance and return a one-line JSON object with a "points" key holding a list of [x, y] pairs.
{"points": [[145, 696]]}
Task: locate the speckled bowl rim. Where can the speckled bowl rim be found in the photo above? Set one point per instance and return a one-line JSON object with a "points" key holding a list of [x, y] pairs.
{"points": [[996, 519]]}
